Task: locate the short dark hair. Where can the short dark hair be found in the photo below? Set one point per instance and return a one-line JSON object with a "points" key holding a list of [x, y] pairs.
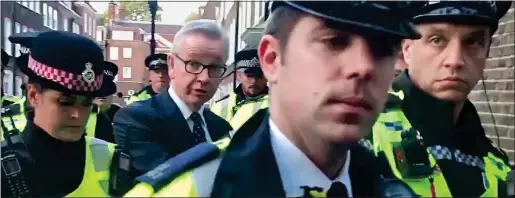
{"points": [[281, 23]]}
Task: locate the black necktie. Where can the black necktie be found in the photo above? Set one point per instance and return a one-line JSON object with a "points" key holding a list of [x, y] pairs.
{"points": [[198, 132], [337, 189]]}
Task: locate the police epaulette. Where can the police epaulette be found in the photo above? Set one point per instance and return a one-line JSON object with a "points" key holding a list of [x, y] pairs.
{"points": [[11, 110], [392, 101], [171, 169]]}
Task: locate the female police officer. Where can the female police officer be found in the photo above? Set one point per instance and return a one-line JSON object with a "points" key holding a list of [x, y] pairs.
{"points": [[65, 75], [430, 133]]}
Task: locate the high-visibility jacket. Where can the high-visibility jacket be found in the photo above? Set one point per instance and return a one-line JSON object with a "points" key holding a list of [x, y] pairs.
{"points": [[95, 183], [143, 94], [384, 136], [243, 111], [197, 182], [10, 100]]}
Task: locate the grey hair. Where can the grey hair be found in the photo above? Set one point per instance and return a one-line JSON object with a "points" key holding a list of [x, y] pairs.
{"points": [[208, 28]]}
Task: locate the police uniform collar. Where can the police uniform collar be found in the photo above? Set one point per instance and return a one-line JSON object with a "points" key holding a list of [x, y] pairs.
{"points": [[436, 123], [248, 167]]}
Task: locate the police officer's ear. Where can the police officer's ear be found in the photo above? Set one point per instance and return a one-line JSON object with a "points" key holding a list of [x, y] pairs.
{"points": [[171, 66], [406, 50], [270, 56], [33, 94]]}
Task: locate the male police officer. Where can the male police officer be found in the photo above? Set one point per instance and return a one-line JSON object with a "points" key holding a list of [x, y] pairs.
{"points": [[158, 78], [430, 133], [52, 158], [330, 65], [250, 96]]}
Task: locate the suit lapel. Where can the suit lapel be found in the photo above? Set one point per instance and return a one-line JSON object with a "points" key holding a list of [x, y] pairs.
{"points": [[215, 125], [248, 167], [174, 125]]}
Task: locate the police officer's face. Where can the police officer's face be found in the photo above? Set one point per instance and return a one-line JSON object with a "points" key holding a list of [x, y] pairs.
{"points": [[62, 116], [328, 82], [252, 84], [159, 78], [448, 60], [195, 89]]}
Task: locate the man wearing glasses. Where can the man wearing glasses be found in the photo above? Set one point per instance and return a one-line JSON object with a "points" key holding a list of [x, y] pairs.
{"points": [[154, 130]]}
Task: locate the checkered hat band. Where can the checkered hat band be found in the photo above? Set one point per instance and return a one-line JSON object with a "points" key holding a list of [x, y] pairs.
{"points": [[248, 63], [69, 80], [441, 152]]}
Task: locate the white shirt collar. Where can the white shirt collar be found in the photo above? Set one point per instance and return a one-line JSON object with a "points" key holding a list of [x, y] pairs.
{"points": [[296, 169], [185, 110]]}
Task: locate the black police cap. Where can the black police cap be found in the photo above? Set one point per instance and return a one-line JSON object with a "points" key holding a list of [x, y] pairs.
{"points": [[108, 84], [66, 62], [387, 17], [156, 61], [247, 60], [25, 39], [462, 12]]}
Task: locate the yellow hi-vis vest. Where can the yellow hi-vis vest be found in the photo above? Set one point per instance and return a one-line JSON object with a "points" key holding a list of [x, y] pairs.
{"points": [[95, 182], [244, 111], [139, 97], [387, 130], [195, 182]]}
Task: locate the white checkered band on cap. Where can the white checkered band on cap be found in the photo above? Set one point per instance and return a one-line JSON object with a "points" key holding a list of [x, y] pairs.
{"points": [[69, 80], [248, 63]]}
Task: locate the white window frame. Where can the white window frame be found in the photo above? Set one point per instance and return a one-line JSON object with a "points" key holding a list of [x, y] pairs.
{"points": [[65, 24], [55, 20], [6, 33], [127, 72], [45, 14], [85, 21], [127, 52], [8, 80], [18, 81], [17, 47], [75, 28], [99, 35], [37, 7], [114, 53], [122, 35], [24, 29]]}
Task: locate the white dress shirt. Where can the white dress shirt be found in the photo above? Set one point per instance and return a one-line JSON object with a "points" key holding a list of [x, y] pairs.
{"points": [[297, 170], [186, 113]]}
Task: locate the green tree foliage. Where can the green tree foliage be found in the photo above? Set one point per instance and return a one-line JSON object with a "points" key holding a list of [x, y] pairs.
{"points": [[137, 11]]}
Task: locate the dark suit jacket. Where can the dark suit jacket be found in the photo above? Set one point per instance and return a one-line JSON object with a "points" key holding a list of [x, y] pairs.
{"points": [[248, 167], [154, 130]]}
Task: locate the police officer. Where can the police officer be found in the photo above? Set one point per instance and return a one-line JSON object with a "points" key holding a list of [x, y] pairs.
{"points": [[53, 158], [158, 78], [98, 124], [250, 96], [330, 65], [430, 133]]}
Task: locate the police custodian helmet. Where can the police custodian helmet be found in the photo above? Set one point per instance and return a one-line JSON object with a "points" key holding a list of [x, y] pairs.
{"points": [[485, 12], [389, 17], [66, 62]]}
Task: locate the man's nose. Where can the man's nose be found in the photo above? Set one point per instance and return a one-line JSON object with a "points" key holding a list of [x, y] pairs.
{"points": [[455, 57], [362, 60], [203, 76]]}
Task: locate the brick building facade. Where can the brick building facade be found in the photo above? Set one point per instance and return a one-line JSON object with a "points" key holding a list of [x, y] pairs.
{"points": [[499, 86]]}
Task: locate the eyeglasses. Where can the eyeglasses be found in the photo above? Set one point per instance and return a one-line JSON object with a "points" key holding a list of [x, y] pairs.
{"points": [[194, 67]]}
